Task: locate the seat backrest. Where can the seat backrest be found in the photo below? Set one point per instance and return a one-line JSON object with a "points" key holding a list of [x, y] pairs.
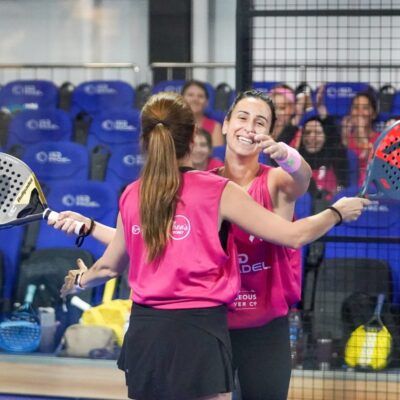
{"points": [[265, 86], [124, 166], [114, 128], [97, 200], [29, 94], [34, 126], [58, 161], [10, 245], [353, 167], [375, 235], [337, 279], [94, 96], [338, 96]]}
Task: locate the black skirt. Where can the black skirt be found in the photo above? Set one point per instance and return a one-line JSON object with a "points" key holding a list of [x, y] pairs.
{"points": [[177, 354]]}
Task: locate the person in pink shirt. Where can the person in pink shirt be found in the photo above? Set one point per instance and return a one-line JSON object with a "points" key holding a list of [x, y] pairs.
{"points": [[358, 132], [202, 150], [173, 233], [196, 94]]}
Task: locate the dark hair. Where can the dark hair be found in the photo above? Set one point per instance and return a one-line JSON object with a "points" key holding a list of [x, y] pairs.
{"points": [[194, 82], [206, 135], [167, 132], [371, 99], [257, 94]]}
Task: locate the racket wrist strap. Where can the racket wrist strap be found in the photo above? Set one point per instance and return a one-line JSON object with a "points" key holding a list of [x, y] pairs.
{"points": [[292, 162], [338, 213], [80, 239], [77, 281]]}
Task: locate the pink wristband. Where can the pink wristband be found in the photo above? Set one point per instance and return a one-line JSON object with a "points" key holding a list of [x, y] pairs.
{"points": [[293, 160]]}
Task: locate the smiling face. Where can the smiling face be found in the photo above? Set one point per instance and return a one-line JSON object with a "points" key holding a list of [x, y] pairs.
{"points": [[362, 112], [249, 117], [196, 97], [313, 136], [201, 151]]}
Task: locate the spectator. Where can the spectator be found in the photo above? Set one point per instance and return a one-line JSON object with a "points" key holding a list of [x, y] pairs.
{"points": [[327, 157], [196, 94], [358, 133], [202, 150]]}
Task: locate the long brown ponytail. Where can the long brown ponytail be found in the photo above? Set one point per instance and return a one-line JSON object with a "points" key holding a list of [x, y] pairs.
{"points": [[167, 131]]}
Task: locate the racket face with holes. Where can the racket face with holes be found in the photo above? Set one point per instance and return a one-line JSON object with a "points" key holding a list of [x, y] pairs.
{"points": [[384, 166], [21, 198]]}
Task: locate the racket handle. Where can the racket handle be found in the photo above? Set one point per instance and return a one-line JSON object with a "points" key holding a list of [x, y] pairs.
{"points": [[30, 294], [53, 216], [79, 303]]}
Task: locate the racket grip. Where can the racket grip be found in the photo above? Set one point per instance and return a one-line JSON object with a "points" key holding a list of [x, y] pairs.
{"points": [[53, 216], [79, 303]]}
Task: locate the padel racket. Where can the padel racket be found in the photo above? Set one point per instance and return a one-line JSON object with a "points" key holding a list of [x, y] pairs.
{"points": [[20, 332], [21, 198], [369, 345], [383, 170]]}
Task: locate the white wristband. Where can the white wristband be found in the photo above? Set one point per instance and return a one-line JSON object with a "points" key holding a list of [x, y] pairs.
{"points": [[292, 162]]}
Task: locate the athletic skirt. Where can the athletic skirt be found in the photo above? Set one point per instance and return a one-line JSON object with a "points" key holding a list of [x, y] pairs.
{"points": [[177, 354]]}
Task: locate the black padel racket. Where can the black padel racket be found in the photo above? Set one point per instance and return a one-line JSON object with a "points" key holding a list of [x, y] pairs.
{"points": [[383, 169], [21, 198]]}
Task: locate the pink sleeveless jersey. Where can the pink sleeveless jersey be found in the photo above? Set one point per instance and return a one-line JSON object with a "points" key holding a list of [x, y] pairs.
{"points": [[270, 274], [208, 124], [194, 271]]}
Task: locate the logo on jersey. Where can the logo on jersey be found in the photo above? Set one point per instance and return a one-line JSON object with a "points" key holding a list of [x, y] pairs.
{"points": [[135, 229], [246, 267], [180, 227]]}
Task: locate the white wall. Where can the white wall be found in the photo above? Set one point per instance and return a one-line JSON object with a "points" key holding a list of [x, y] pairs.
{"points": [[74, 31]]}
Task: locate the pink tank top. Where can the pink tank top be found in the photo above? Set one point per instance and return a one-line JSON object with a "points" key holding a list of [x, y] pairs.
{"points": [[208, 124], [270, 274], [194, 271]]}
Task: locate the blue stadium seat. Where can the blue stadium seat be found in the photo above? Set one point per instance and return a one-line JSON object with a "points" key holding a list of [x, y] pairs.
{"points": [[124, 166], [10, 245], [353, 167], [219, 152], [29, 94], [338, 96], [58, 161], [114, 128], [34, 126], [98, 200], [265, 86], [380, 223], [303, 207], [93, 97]]}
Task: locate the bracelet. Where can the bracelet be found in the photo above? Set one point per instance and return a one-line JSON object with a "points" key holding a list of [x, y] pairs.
{"points": [[77, 281], [338, 214], [80, 239], [292, 162]]}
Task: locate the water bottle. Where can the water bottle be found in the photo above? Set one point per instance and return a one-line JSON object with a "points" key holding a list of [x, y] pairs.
{"points": [[296, 338]]}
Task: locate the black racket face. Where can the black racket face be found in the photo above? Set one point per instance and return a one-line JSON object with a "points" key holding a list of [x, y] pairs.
{"points": [[20, 193]]}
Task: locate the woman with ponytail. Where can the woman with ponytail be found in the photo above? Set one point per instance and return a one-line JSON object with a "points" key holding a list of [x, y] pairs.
{"points": [[172, 232]]}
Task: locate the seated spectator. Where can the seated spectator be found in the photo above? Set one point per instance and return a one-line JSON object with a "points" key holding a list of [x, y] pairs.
{"points": [[286, 128], [195, 93], [327, 157], [358, 133], [202, 150]]}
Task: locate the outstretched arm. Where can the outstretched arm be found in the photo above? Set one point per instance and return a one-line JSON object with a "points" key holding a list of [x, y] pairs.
{"points": [[68, 219], [112, 263], [239, 208]]}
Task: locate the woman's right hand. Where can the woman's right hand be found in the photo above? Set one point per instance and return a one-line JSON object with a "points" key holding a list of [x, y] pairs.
{"points": [[351, 207], [67, 220]]}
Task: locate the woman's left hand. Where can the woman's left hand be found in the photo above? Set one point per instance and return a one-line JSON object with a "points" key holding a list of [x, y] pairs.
{"points": [[69, 286]]}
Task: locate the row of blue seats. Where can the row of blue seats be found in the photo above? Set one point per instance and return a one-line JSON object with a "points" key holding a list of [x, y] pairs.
{"points": [[96, 95], [120, 126]]}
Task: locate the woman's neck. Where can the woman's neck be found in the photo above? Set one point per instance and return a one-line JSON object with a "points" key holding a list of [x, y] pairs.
{"points": [[241, 170]]}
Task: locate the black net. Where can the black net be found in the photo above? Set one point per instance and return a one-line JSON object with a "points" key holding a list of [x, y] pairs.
{"points": [[332, 70]]}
